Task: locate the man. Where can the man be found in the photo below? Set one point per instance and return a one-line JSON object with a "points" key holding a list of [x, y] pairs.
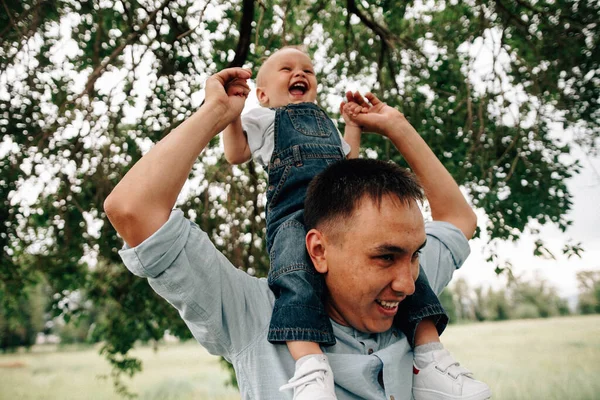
{"points": [[367, 251]]}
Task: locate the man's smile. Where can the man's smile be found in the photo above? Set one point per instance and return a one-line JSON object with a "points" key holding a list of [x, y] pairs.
{"points": [[387, 308]]}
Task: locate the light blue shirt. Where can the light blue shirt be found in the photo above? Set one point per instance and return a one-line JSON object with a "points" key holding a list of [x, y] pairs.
{"points": [[228, 312]]}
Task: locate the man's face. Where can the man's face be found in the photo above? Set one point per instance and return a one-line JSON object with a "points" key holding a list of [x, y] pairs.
{"points": [[287, 77], [373, 263]]}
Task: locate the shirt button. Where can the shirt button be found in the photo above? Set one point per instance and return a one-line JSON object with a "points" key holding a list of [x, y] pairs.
{"points": [[271, 187], [276, 161], [370, 351]]}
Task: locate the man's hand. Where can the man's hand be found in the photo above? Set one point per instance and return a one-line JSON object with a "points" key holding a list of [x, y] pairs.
{"points": [[374, 115], [226, 93], [445, 198]]}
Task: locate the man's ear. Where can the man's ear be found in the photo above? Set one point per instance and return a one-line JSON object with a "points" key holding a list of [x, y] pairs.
{"points": [[263, 99], [316, 247]]}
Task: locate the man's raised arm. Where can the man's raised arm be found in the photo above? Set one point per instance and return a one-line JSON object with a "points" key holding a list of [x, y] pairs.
{"points": [[142, 201], [445, 198]]}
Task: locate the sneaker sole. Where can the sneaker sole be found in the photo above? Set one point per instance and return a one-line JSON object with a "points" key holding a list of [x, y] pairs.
{"points": [[425, 394]]}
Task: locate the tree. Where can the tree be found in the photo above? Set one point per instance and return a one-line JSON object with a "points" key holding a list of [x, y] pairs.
{"points": [[22, 331], [539, 295], [447, 301], [589, 292], [521, 298], [490, 305], [86, 87]]}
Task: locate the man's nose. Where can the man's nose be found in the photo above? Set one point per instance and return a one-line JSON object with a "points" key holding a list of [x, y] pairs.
{"points": [[299, 72], [403, 281]]}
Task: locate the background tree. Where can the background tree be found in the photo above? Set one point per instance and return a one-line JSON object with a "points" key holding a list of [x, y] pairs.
{"points": [[521, 298], [501, 90], [589, 292], [22, 330]]}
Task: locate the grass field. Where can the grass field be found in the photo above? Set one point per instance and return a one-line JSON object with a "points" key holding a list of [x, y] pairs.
{"points": [[530, 359]]}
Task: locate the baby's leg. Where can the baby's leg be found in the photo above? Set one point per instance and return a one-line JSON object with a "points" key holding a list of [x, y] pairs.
{"points": [[299, 318], [302, 349], [298, 312], [437, 375], [421, 316]]}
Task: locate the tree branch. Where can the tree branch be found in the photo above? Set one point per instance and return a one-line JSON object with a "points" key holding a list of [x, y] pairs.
{"points": [[200, 17], [393, 73], [318, 7], [379, 30], [243, 46], [510, 16], [116, 52], [259, 23], [10, 17], [562, 16]]}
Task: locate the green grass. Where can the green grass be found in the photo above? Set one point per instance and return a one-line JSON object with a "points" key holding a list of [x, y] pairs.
{"points": [[182, 371], [548, 359]]}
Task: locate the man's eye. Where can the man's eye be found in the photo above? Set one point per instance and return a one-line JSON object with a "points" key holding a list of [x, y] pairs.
{"points": [[386, 257], [417, 254], [286, 69], [308, 71]]}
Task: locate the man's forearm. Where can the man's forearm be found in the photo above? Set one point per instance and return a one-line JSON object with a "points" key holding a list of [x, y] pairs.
{"points": [[445, 198], [142, 201]]}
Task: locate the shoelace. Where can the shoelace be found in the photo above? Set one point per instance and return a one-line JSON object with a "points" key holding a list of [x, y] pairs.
{"points": [[314, 376]]}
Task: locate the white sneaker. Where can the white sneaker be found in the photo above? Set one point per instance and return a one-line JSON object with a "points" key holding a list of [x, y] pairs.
{"points": [[445, 379], [313, 380]]}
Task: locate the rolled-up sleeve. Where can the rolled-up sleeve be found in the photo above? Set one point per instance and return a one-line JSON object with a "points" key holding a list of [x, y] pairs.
{"points": [[223, 306], [446, 250]]}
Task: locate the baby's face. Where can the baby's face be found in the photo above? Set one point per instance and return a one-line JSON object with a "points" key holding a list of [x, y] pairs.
{"points": [[287, 77]]}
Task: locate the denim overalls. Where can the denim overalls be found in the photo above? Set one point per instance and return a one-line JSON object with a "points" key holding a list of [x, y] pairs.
{"points": [[305, 142]]}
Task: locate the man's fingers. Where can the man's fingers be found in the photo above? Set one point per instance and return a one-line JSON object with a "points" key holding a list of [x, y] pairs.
{"points": [[227, 75], [358, 99], [349, 96], [372, 99]]}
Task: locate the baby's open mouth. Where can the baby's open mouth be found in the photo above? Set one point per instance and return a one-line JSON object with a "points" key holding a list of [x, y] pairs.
{"points": [[298, 88]]}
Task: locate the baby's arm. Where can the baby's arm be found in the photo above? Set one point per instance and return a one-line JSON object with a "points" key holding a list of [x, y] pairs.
{"points": [[235, 142], [352, 131]]}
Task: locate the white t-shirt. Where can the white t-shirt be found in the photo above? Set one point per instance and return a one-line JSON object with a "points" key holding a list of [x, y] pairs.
{"points": [[259, 125]]}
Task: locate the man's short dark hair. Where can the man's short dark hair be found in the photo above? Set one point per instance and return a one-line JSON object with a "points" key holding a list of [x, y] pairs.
{"points": [[335, 192]]}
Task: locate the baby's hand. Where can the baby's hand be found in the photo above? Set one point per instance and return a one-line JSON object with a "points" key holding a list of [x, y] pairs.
{"points": [[237, 90], [351, 108], [237, 87]]}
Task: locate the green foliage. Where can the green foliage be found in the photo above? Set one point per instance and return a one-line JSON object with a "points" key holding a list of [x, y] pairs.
{"points": [[22, 328], [229, 367], [520, 299], [87, 86], [589, 292], [447, 300]]}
